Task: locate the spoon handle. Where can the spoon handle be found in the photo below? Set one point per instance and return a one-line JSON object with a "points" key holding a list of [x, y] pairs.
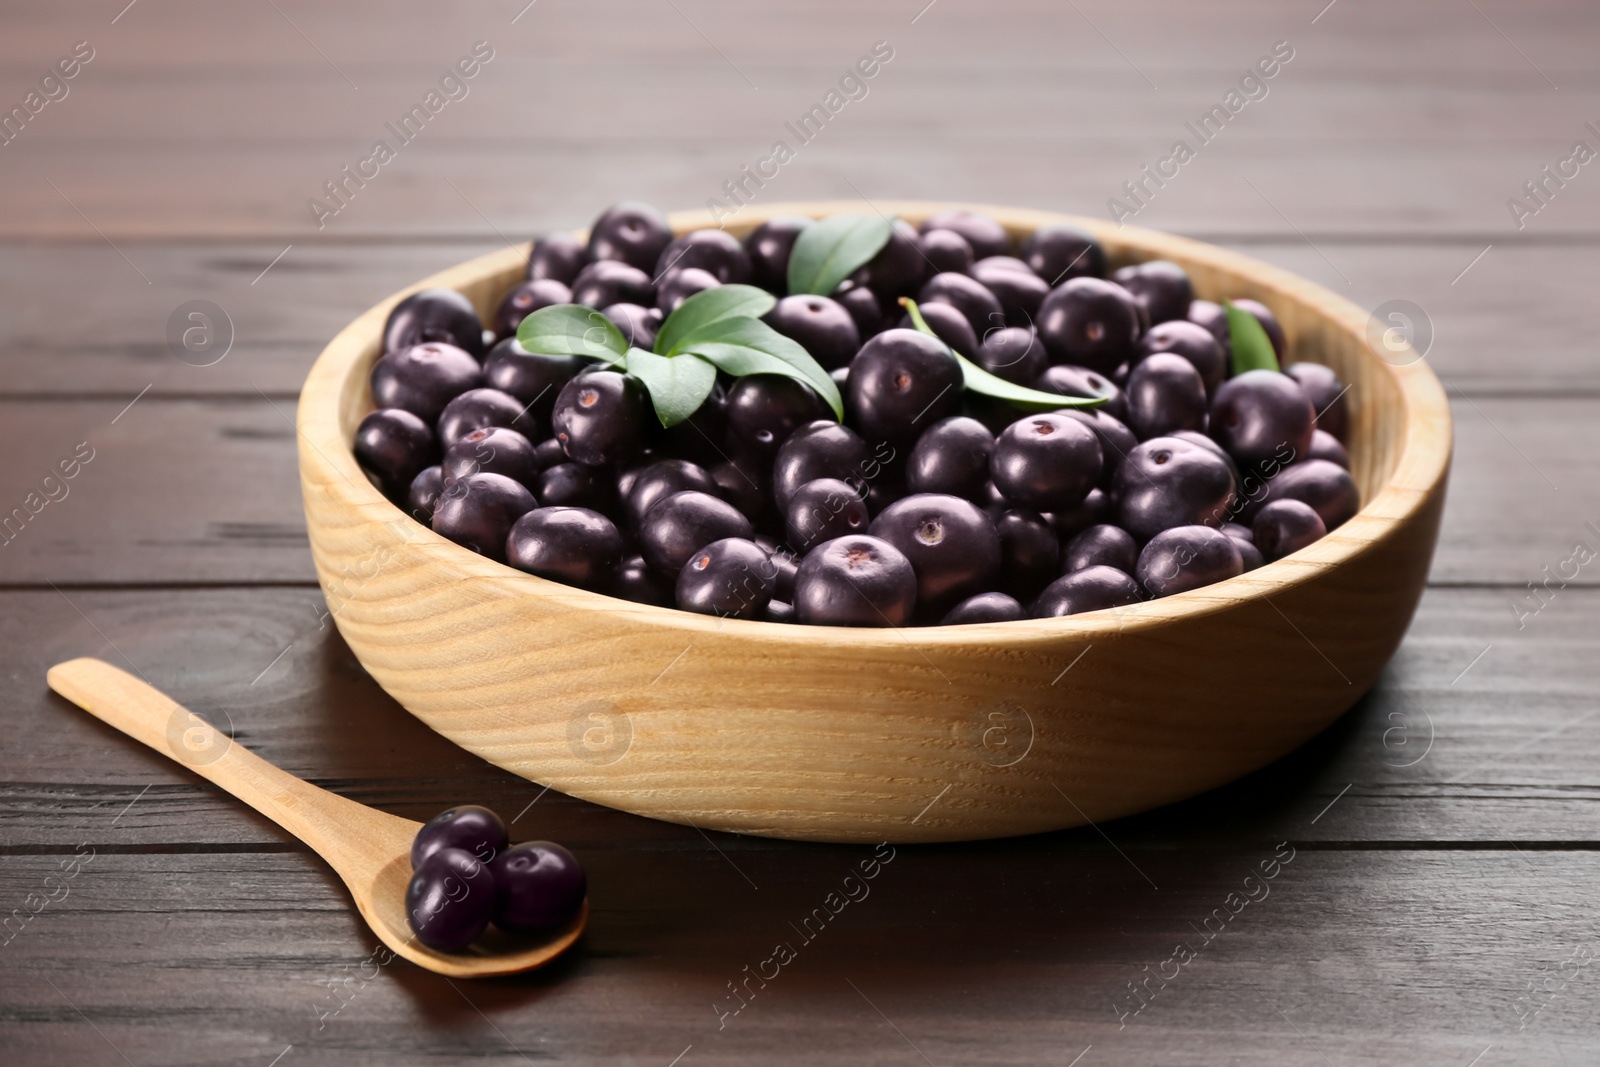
{"points": [[325, 821]]}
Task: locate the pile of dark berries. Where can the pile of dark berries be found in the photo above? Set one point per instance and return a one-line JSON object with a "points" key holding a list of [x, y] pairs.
{"points": [[855, 422], [466, 874]]}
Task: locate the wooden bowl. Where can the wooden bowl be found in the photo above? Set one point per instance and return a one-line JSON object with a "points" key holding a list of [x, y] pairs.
{"points": [[925, 734]]}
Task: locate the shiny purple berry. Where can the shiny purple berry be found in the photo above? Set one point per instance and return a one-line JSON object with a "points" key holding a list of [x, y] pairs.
{"points": [[393, 446], [1013, 353], [608, 281], [985, 607], [1328, 395], [679, 285], [952, 545], [947, 250], [717, 252], [450, 900], [819, 325], [821, 510], [558, 257], [1091, 589], [424, 494], [730, 578], [1167, 482], [1101, 546], [1090, 322], [855, 581], [478, 511], [1187, 557], [1262, 415], [434, 315], [1061, 251], [574, 546], [630, 232], [539, 886], [967, 295], [768, 247], [1047, 462], [478, 408], [1285, 526], [983, 235], [423, 378], [1194, 343], [492, 450], [524, 300], [599, 418], [469, 827], [951, 456], [1160, 286], [1019, 290], [682, 523], [1165, 393]]}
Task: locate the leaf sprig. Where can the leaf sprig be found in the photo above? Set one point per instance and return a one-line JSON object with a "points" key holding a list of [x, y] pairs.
{"points": [[716, 329], [829, 251], [1252, 348], [720, 329], [979, 380]]}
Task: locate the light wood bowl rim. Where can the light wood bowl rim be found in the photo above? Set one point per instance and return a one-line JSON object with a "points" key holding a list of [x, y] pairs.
{"points": [[1421, 465]]}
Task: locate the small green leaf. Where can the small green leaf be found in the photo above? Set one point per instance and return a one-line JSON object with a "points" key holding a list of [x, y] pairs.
{"points": [[705, 309], [572, 330], [749, 346], [978, 380], [827, 251], [1252, 348], [678, 385]]}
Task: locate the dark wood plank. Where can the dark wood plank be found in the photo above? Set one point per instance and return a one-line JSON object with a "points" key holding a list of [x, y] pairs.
{"points": [[969, 954], [55, 343], [207, 491], [209, 486], [1429, 756], [243, 153], [118, 344]]}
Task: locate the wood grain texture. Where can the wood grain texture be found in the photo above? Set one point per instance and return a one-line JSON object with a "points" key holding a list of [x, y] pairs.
{"points": [[1383, 160], [855, 735], [1371, 957], [971, 107]]}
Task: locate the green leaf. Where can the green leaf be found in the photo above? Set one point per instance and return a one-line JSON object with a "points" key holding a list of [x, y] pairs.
{"points": [[749, 346], [978, 380], [572, 330], [1252, 348], [703, 310], [678, 385], [827, 251]]}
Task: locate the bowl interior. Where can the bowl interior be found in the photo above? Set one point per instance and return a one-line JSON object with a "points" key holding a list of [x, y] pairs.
{"points": [[1399, 439], [1378, 413]]}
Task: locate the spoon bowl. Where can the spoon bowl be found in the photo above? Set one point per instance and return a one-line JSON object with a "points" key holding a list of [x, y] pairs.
{"points": [[496, 952], [369, 849]]}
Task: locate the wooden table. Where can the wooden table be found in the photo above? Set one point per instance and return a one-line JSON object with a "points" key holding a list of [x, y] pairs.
{"points": [[1439, 907]]}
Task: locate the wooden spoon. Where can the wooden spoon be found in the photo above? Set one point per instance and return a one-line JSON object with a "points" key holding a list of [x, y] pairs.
{"points": [[369, 849]]}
